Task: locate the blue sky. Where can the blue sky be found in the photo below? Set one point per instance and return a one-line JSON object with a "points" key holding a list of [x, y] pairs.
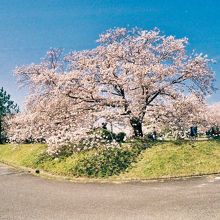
{"points": [[28, 28]]}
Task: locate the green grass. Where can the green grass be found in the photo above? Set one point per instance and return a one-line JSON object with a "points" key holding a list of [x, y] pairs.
{"points": [[22, 154], [32, 155], [166, 159], [173, 160]]}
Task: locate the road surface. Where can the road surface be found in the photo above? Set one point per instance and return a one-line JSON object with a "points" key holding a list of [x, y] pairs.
{"points": [[24, 196]]}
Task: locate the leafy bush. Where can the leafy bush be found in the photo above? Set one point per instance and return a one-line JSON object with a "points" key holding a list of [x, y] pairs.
{"points": [[106, 162], [110, 136], [120, 137]]}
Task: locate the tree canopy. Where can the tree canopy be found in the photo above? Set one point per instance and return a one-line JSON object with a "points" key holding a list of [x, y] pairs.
{"points": [[7, 108]]}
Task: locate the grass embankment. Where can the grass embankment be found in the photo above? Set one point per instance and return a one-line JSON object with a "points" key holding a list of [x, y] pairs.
{"points": [[166, 159], [175, 160], [21, 155], [93, 163]]}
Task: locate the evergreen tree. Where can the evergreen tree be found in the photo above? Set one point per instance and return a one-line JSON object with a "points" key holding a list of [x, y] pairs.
{"points": [[7, 108]]}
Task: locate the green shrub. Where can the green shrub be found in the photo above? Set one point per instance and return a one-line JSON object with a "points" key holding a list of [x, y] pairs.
{"points": [[106, 162], [110, 136], [120, 137], [107, 135]]}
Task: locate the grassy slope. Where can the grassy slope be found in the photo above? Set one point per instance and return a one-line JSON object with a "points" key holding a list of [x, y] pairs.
{"points": [[21, 155], [29, 155], [169, 159], [162, 160]]}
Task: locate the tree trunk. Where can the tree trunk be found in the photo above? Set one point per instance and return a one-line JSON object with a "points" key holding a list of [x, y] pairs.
{"points": [[137, 127]]}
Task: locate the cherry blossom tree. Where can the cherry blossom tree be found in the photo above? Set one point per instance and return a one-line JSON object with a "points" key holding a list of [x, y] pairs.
{"points": [[122, 79], [132, 69], [213, 114], [177, 116]]}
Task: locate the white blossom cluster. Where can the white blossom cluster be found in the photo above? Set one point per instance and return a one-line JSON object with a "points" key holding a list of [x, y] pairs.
{"points": [[177, 116]]}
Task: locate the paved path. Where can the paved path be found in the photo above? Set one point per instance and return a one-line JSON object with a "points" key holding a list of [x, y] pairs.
{"points": [[23, 196]]}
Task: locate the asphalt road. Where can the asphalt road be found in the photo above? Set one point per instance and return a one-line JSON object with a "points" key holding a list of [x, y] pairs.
{"points": [[23, 196]]}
